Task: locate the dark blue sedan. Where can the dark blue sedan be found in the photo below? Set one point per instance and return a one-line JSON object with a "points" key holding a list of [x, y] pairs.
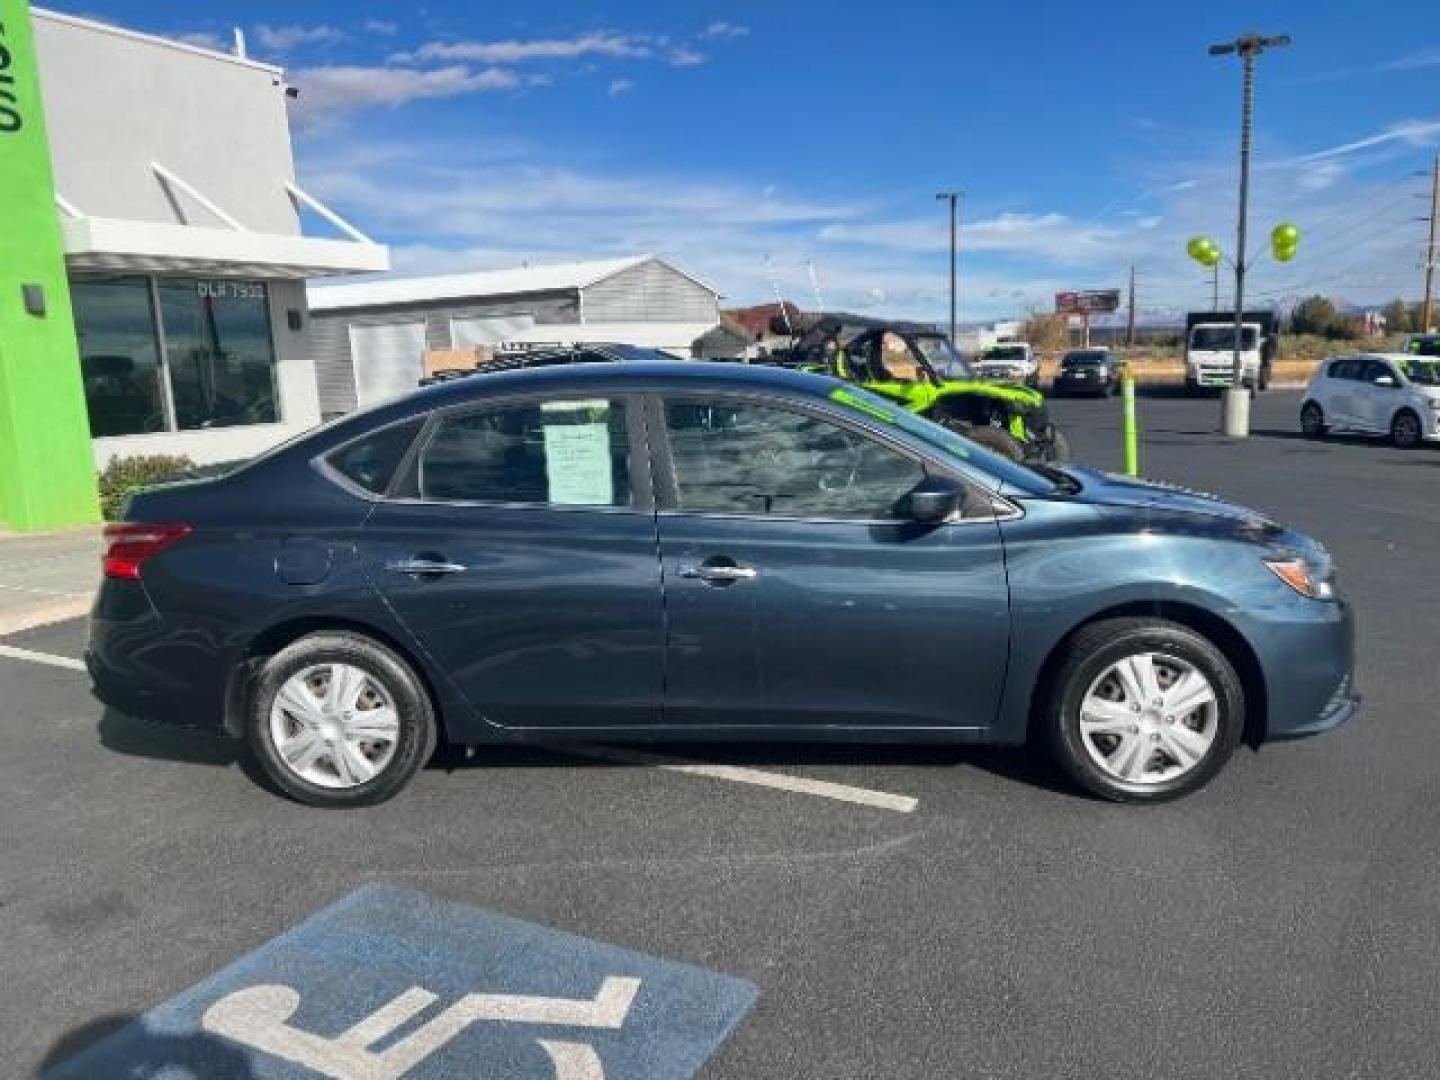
{"points": [[635, 550]]}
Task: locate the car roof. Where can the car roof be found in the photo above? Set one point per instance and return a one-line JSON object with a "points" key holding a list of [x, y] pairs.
{"points": [[630, 374]]}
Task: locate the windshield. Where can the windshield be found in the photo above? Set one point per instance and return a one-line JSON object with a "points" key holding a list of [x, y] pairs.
{"points": [[1221, 338], [1084, 359], [1422, 372], [941, 356], [1007, 354], [947, 442]]}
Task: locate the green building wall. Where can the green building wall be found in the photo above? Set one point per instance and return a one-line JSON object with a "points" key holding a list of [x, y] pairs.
{"points": [[47, 475]]}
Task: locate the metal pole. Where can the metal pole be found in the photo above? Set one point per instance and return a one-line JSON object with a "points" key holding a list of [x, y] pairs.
{"points": [[1130, 311], [1247, 110], [953, 198], [1430, 252], [1235, 417], [1215, 287]]}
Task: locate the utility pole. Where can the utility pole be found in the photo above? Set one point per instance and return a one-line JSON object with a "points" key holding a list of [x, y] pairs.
{"points": [[1235, 418], [1215, 287], [1430, 252], [953, 198], [1130, 310]]}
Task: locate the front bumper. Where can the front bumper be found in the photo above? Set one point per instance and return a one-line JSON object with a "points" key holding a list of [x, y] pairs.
{"points": [[1306, 650]]}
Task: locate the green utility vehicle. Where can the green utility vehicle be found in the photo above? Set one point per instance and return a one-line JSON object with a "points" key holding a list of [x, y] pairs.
{"points": [[919, 369]]}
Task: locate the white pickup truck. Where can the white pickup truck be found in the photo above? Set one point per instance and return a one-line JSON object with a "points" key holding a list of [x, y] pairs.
{"points": [[1210, 350], [1009, 361]]}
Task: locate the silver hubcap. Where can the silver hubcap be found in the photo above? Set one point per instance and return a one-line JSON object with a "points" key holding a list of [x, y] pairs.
{"points": [[1149, 718], [334, 725], [1406, 429]]}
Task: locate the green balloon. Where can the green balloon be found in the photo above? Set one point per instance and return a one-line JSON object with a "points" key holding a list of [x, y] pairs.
{"points": [[1285, 235], [1283, 252], [1197, 247]]}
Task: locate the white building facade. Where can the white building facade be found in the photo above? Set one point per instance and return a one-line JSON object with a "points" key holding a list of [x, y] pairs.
{"points": [[181, 215]]}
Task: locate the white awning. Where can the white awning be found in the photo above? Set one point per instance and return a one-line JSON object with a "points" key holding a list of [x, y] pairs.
{"points": [[111, 245]]}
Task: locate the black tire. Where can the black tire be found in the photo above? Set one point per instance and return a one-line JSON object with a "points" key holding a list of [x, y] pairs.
{"points": [[992, 438], [1102, 644], [1059, 447], [415, 742], [1312, 420], [1406, 431]]}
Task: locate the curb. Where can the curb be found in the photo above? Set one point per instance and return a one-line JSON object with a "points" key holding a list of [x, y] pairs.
{"points": [[61, 610]]}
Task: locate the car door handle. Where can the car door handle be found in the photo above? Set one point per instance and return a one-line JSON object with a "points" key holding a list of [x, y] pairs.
{"points": [[718, 574], [424, 567]]}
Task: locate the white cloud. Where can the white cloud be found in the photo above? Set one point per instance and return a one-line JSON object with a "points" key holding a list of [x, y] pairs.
{"points": [[382, 27], [1422, 59], [721, 29], [1409, 132], [1051, 235], [597, 43], [344, 87], [1182, 185], [281, 39], [619, 86], [683, 57]]}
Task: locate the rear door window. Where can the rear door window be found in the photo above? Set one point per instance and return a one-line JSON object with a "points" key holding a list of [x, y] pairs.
{"points": [[563, 452]]}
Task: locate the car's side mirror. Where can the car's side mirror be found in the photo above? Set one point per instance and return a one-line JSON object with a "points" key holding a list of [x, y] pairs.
{"points": [[934, 502]]}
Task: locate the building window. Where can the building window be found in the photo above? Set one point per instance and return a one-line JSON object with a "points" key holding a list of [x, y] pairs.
{"points": [[220, 352], [119, 355], [208, 362]]}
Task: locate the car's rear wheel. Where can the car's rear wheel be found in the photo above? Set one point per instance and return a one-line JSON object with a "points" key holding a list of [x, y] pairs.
{"points": [[1144, 710], [1405, 430], [1312, 420], [336, 719]]}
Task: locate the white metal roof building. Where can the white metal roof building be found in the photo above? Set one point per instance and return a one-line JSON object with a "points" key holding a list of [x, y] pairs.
{"points": [[182, 224], [369, 338]]}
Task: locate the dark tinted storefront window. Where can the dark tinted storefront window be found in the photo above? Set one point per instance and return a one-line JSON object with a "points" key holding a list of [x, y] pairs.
{"points": [[119, 355], [221, 357]]}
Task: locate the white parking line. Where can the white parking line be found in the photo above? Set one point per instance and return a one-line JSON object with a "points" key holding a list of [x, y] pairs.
{"points": [[50, 659], [883, 800]]}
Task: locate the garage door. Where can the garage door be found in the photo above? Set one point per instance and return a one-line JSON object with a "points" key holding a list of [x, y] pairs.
{"points": [[468, 333], [388, 360]]}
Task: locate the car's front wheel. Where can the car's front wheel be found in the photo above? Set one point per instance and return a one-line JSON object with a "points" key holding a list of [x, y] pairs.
{"points": [[1144, 710], [336, 719], [1312, 420], [1405, 430]]}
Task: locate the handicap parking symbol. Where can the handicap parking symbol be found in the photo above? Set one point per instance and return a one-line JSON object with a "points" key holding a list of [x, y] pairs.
{"points": [[390, 983]]}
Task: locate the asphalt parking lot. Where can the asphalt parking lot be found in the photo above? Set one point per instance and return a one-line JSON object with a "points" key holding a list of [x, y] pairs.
{"points": [[981, 919]]}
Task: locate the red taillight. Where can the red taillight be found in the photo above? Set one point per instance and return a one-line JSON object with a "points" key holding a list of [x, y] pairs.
{"points": [[130, 544]]}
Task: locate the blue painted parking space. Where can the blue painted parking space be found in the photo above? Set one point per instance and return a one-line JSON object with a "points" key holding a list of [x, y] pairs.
{"points": [[390, 983]]}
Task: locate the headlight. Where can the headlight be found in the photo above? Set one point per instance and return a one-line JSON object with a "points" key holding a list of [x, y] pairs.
{"points": [[1301, 577]]}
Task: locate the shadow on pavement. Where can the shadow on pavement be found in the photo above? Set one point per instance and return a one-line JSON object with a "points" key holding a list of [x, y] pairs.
{"points": [[142, 738], [152, 1054]]}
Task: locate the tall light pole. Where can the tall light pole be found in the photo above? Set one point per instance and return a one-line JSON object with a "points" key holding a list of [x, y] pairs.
{"points": [[1236, 416], [953, 198], [1430, 250]]}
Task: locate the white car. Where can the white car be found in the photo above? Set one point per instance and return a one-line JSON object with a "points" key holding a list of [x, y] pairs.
{"points": [[1375, 394], [1009, 361]]}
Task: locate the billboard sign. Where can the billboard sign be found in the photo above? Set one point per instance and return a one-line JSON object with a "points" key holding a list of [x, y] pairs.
{"points": [[1086, 301]]}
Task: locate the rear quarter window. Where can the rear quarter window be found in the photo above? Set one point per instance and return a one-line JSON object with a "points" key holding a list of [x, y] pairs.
{"points": [[370, 461]]}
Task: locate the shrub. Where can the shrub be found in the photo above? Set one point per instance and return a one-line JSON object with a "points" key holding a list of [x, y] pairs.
{"points": [[124, 474]]}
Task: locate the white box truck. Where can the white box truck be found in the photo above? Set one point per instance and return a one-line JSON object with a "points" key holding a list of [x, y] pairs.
{"points": [[1210, 349]]}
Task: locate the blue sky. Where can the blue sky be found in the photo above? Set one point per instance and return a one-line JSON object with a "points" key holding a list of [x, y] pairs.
{"points": [[746, 140]]}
